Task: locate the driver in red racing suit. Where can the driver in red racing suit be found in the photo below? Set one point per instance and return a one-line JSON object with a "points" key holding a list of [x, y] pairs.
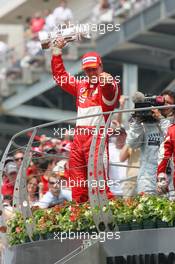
{"points": [[98, 93], [166, 152]]}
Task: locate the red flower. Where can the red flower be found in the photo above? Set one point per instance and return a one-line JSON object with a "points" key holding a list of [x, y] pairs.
{"points": [[18, 229], [141, 193], [64, 203], [57, 208], [128, 201], [72, 218], [73, 209]]}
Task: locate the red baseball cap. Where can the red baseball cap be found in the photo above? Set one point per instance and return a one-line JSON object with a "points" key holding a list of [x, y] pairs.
{"points": [[91, 60]]}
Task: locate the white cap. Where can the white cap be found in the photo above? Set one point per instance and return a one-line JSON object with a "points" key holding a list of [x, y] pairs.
{"points": [[60, 166]]}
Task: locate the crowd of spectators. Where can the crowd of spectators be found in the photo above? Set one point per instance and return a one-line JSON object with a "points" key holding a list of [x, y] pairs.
{"points": [[48, 167], [12, 67], [106, 11]]}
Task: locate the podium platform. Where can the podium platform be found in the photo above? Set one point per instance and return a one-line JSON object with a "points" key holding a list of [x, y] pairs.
{"points": [[154, 246]]}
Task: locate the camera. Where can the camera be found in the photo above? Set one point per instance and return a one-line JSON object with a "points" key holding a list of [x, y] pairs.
{"points": [[140, 100], [71, 33]]}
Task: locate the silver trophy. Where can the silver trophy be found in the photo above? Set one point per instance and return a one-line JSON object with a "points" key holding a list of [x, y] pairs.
{"points": [[71, 33]]}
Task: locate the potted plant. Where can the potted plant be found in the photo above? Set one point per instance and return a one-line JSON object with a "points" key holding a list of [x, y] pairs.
{"points": [[123, 215], [16, 230], [136, 213], [144, 212], [165, 213]]}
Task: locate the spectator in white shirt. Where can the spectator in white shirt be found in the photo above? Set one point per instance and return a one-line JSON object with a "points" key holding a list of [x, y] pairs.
{"points": [[56, 194], [102, 12], [117, 173], [62, 14], [3, 48], [49, 21], [33, 54], [33, 46]]}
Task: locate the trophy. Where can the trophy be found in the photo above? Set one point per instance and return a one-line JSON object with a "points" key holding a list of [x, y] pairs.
{"points": [[71, 33]]}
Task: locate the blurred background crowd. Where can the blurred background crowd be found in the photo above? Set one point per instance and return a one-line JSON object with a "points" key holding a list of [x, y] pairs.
{"points": [[17, 67]]}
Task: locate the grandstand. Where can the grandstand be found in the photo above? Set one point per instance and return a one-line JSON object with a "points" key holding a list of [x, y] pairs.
{"points": [[141, 53]]}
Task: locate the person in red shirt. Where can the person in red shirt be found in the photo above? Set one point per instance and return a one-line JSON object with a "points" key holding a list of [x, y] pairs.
{"points": [[9, 178], [97, 94], [37, 23]]}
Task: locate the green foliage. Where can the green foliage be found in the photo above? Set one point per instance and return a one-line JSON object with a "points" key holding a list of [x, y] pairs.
{"points": [[79, 217]]}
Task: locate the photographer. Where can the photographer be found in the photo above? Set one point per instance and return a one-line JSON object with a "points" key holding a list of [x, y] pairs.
{"points": [[146, 132]]}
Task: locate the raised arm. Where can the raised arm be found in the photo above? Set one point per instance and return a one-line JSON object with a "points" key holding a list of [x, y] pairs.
{"points": [[60, 75]]}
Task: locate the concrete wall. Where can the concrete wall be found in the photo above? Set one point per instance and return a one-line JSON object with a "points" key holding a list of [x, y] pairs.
{"points": [[15, 37], [82, 8], [8, 5]]}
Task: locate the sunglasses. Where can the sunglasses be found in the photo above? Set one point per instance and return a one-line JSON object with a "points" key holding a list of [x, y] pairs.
{"points": [[17, 159]]}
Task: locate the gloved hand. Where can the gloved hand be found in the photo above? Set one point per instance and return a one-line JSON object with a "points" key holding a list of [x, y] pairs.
{"points": [[162, 183]]}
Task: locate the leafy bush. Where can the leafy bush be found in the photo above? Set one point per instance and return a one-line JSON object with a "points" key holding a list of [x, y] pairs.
{"points": [[79, 217]]}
